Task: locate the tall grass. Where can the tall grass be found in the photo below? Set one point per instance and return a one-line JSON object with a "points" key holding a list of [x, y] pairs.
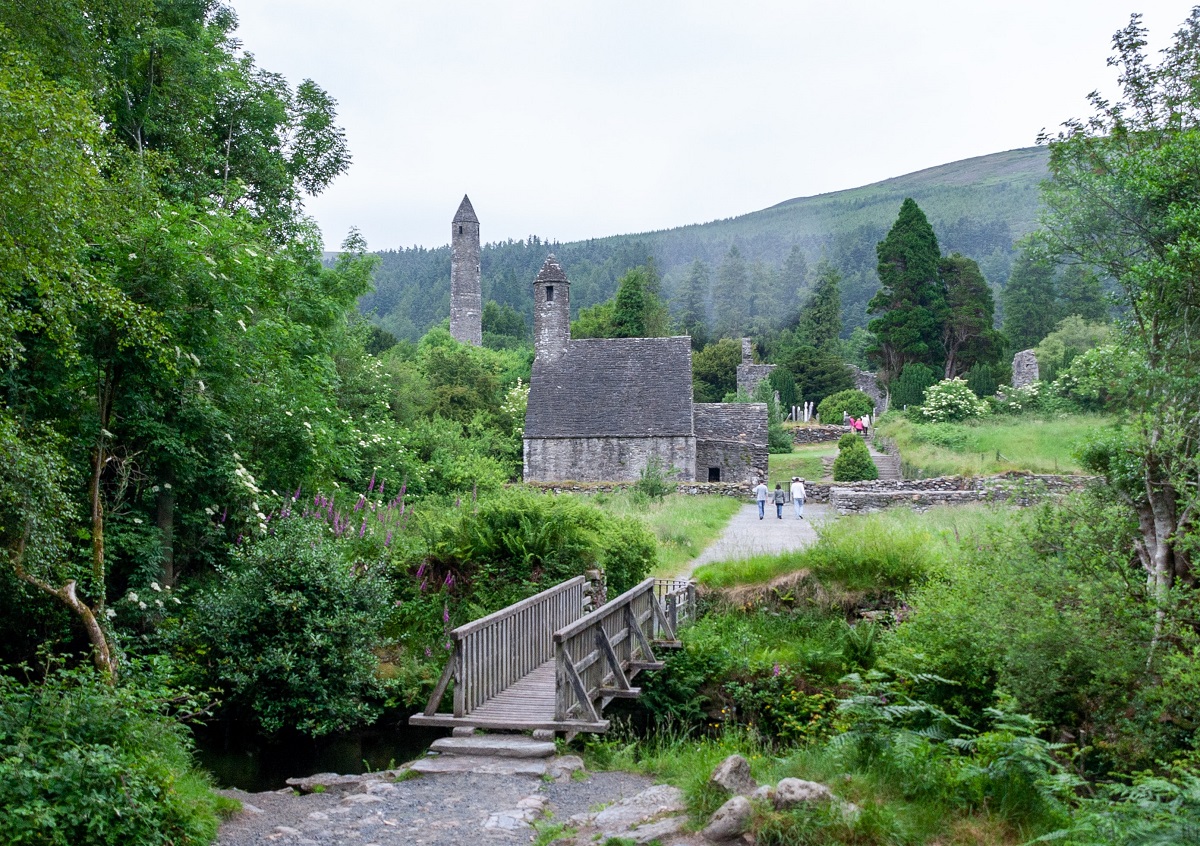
{"points": [[1034, 444], [892, 549], [683, 525]]}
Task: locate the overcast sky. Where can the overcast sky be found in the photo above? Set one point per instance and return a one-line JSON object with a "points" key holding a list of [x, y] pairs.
{"points": [[572, 120]]}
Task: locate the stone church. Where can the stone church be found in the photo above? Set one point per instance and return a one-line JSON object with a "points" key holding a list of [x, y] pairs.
{"points": [[601, 409]]}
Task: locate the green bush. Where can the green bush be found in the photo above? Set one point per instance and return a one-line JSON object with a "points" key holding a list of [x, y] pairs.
{"points": [[951, 400], [653, 482], [854, 403], [853, 462], [287, 632], [85, 763], [908, 388]]}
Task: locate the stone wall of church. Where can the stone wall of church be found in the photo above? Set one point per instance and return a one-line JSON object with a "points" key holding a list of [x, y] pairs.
{"points": [[608, 459]]}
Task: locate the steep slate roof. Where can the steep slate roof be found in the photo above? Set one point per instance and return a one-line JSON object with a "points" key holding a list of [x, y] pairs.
{"points": [[465, 213], [613, 387], [743, 422]]}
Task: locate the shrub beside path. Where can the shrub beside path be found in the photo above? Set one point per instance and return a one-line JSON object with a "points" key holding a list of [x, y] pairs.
{"points": [[746, 536]]}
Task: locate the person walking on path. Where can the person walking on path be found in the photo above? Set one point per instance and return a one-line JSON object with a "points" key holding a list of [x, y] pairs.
{"points": [[779, 498], [798, 496], [760, 493]]}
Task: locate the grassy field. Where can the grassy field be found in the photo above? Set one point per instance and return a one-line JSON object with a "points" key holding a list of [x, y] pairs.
{"points": [[804, 462], [863, 552], [993, 445], [682, 525]]}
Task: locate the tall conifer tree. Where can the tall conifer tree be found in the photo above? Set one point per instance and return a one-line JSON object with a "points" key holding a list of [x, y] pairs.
{"points": [[730, 296], [821, 320], [967, 334], [1030, 309], [911, 302], [693, 303]]}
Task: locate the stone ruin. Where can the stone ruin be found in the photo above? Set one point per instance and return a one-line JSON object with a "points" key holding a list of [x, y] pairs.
{"points": [[866, 382], [749, 374], [1025, 369]]}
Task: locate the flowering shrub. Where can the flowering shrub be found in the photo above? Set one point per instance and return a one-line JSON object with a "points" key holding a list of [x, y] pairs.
{"points": [[1018, 400], [951, 400]]}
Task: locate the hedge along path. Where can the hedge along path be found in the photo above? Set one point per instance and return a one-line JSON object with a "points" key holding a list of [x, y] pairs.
{"points": [[746, 536]]}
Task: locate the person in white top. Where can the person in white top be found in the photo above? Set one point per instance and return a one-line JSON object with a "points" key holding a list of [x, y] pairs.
{"points": [[760, 493], [798, 496]]}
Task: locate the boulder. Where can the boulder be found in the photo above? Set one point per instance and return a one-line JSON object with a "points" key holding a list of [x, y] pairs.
{"points": [[733, 776], [652, 803], [730, 820], [795, 791]]}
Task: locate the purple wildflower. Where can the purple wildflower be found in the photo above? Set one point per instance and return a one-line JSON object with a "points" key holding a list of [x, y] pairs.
{"points": [[363, 528], [445, 613], [775, 669], [428, 652], [449, 581], [296, 495], [371, 486], [382, 482], [422, 587], [421, 569], [224, 513], [388, 540]]}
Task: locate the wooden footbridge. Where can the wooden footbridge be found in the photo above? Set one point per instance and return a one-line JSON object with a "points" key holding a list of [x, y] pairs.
{"points": [[543, 663]]}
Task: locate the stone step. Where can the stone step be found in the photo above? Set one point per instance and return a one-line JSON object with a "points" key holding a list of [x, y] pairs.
{"points": [[496, 746]]}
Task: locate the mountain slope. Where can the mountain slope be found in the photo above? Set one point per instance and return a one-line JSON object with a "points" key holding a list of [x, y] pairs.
{"points": [[977, 206]]}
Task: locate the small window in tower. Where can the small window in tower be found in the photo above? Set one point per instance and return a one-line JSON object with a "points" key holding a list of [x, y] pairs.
{"points": [[460, 229], [549, 293]]}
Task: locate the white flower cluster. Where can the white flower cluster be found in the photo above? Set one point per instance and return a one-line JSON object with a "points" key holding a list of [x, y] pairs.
{"points": [[951, 400]]}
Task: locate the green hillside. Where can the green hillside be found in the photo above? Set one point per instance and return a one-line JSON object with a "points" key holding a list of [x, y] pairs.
{"points": [[978, 207]]}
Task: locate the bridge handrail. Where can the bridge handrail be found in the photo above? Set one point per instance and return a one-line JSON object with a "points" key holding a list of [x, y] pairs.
{"points": [[495, 651], [496, 616], [593, 652]]}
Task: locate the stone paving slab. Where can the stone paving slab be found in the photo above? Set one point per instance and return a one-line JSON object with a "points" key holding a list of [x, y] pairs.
{"points": [[499, 746]]}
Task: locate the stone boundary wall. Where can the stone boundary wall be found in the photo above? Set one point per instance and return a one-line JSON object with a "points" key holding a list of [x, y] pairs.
{"points": [[861, 497], [920, 494], [818, 434], [740, 490]]}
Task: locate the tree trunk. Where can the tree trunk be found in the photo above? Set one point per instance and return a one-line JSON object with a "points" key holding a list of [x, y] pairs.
{"points": [[166, 526], [102, 654]]}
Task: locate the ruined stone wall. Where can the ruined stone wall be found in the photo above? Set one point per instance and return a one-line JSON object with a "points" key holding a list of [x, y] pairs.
{"points": [[466, 293], [866, 382], [750, 375], [1025, 369], [818, 434], [607, 459]]}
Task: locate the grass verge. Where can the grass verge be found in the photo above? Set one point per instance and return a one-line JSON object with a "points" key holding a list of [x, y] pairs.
{"points": [[888, 550], [992, 445], [682, 525]]}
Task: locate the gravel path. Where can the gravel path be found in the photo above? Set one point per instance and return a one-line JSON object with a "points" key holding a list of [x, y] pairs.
{"points": [[746, 536], [438, 810]]}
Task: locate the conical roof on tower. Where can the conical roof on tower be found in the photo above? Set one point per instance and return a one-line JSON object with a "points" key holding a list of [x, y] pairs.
{"points": [[551, 271], [465, 213]]}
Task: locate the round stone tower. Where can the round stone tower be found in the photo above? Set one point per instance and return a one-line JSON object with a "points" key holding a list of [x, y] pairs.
{"points": [[466, 293], [551, 311]]}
